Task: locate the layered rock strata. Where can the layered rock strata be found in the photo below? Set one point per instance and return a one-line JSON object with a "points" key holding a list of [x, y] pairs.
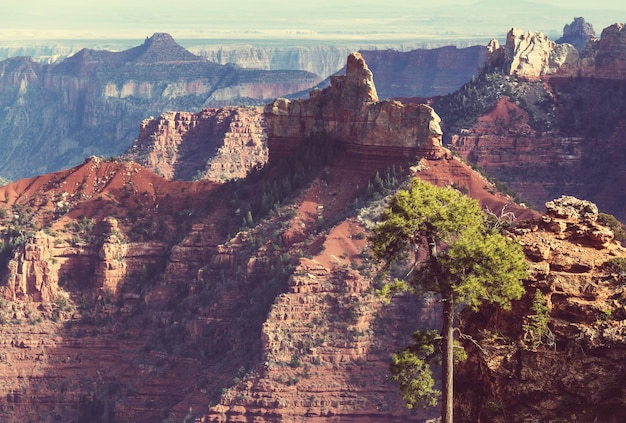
{"points": [[570, 369], [326, 369], [53, 116], [216, 144], [350, 112]]}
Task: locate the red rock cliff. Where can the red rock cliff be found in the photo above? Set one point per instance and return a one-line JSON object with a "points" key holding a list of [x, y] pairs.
{"points": [[216, 144], [572, 368]]}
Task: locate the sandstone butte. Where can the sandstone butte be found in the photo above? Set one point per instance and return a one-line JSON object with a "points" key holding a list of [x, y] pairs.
{"points": [[373, 132], [143, 300]]}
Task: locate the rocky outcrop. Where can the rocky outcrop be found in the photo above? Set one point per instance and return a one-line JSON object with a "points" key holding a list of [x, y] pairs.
{"points": [[307, 356], [530, 55], [536, 164], [570, 369], [610, 59], [216, 144], [350, 112], [578, 33], [56, 115], [561, 134]]}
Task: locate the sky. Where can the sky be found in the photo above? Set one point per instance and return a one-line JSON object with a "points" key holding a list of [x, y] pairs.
{"points": [[319, 19]]}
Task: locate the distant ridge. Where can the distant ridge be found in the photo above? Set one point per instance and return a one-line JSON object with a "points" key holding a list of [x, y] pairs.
{"points": [[160, 48]]}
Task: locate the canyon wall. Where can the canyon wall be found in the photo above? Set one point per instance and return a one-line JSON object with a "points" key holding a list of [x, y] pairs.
{"points": [[216, 144], [53, 116], [323, 60], [423, 73], [226, 143], [569, 367]]}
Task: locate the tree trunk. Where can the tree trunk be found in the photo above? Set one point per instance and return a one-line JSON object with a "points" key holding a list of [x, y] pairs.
{"points": [[447, 365], [447, 332]]}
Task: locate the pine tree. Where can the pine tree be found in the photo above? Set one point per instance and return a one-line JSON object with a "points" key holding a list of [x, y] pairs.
{"points": [[467, 264]]}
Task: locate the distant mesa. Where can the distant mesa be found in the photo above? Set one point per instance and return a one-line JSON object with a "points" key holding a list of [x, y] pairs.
{"points": [[160, 48]]}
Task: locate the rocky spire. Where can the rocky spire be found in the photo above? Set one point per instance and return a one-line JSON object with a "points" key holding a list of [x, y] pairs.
{"points": [[578, 34], [359, 86]]}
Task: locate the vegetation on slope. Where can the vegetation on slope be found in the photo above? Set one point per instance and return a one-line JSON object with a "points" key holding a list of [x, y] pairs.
{"points": [[462, 108]]}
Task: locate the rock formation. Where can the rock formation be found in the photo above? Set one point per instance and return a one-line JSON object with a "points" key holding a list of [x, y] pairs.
{"points": [[90, 104], [216, 144], [530, 55], [559, 134], [350, 112], [579, 33], [610, 59], [572, 367]]}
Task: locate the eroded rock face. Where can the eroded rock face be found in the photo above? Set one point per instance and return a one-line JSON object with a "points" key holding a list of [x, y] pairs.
{"points": [[530, 55], [423, 72], [307, 356], [610, 59], [215, 144], [93, 100], [572, 370], [36, 272], [350, 112]]}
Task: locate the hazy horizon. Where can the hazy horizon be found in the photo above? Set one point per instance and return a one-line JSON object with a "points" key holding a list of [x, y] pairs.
{"points": [[26, 21]]}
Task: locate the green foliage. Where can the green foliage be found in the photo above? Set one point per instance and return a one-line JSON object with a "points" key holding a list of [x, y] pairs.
{"points": [[613, 224], [16, 232], [484, 267], [380, 185], [266, 188], [536, 329], [411, 368], [480, 265], [423, 211], [396, 287], [617, 264], [84, 229]]}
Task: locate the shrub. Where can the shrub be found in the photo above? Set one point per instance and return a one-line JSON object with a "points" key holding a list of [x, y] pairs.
{"points": [[613, 224]]}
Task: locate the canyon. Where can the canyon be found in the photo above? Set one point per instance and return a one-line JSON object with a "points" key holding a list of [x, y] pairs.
{"points": [[130, 294], [131, 297], [55, 114]]}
